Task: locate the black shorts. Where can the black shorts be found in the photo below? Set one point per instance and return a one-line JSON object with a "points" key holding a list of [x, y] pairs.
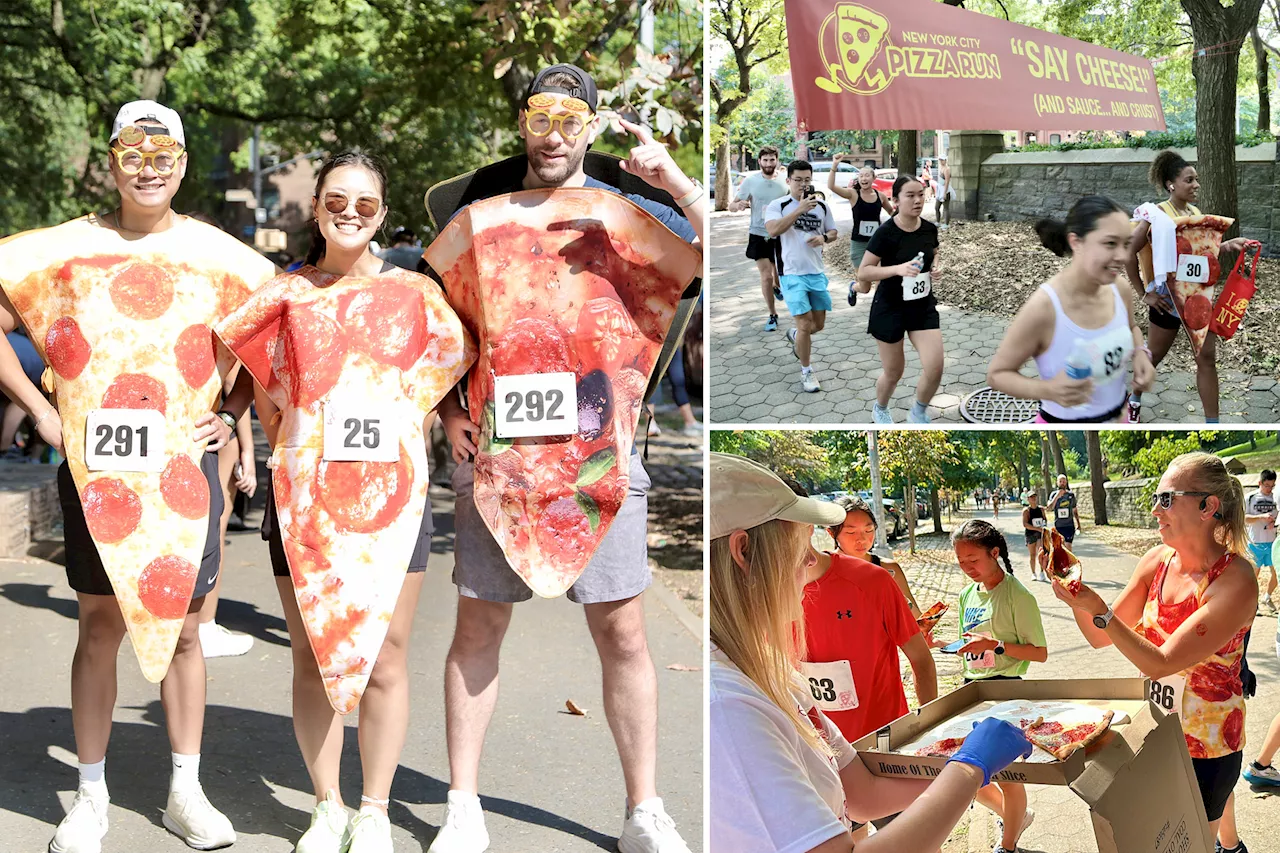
{"points": [[1033, 538], [1163, 319], [85, 572], [1068, 533], [764, 248], [280, 563], [1217, 778], [890, 323]]}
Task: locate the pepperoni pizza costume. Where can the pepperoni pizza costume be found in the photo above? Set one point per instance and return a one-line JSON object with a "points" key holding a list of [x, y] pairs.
{"points": [[1199, 234], [550, 281], [325, 347], [124, 323], [1212, 709]]}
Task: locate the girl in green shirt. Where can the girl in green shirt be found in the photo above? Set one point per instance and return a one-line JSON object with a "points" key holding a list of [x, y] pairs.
{"points": [[997, 606]]}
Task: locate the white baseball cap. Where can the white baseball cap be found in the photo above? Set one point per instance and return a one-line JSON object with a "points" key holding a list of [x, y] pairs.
{"points": [[136, 111], [745, 494]]}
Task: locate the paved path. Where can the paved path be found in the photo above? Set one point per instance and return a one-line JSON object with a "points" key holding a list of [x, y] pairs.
{"points": [[755, 378], [551, 781], [1062, 820]]}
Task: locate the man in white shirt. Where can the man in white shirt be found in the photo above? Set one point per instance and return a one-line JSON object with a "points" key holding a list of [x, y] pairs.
{"points": [[1260, 515], [803, 224], [757, 191]]}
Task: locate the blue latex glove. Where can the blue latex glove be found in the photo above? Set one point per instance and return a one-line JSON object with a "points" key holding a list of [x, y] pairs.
{"points": [[992, 746]]}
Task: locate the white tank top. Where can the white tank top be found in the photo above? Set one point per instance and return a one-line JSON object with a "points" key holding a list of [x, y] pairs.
{"points": [[1111, 349]]}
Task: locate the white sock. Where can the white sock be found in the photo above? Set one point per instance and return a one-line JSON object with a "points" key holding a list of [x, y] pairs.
{"points": [[93, 778], [805, 371], [186, 773]]}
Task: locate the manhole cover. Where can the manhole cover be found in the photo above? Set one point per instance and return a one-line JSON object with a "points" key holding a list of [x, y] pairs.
{"points": [[989, 406]]}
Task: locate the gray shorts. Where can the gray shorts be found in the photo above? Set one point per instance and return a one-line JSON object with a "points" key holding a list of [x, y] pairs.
{"points": [[857, 248], [618, 570]]}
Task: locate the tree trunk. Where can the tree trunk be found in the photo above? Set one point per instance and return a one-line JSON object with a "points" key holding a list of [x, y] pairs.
{"points": [[722, 174], [1044, 466], [1024, 477], [1264, 82], [877, 492], [909, 501], [907, 146], [935, 506], [1056, 448], [1253, 442], [1097, 476]]}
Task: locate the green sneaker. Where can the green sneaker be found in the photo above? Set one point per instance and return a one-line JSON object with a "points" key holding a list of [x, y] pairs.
{"points": [[329, 832]]}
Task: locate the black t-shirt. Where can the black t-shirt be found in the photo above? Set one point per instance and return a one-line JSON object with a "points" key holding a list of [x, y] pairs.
{"points": [[894, 246]]}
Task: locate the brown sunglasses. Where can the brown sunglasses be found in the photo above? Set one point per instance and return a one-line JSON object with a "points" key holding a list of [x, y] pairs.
{"points": [[367, 207]]}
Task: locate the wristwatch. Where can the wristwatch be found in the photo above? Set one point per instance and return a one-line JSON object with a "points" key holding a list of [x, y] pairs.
{"points": [[1105, 619], [228, 419], [999, 647]]}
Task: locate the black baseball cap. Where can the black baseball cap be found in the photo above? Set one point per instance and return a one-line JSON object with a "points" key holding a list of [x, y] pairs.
{"points": [[585, 89]]}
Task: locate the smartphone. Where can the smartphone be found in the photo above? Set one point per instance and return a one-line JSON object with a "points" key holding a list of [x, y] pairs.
{"points": [[954, 648]]}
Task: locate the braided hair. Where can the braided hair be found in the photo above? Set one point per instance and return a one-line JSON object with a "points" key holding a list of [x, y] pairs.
{"points": [[985, 534]]}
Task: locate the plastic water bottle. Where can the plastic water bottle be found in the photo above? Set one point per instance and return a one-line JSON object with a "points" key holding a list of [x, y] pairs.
{"points": [[1079, 364], [919, 259]]}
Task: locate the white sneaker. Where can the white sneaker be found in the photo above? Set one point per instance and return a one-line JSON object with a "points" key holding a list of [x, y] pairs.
{"points": [[653, 428], [462, 830], [880, 415], [693, 430], [191, 817], [649, 829], [1027, 819], [809, 382], [328, 832], [370, 833], [218, 642], [82, 830]]}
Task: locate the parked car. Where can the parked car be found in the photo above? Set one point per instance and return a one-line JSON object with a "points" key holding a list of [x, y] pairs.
{"points": [[884, 180], [895, 520], [844, 175], [735, 179]]}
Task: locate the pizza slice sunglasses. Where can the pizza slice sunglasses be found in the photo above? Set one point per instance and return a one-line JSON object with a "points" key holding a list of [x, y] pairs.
{"points": [[132, 161], [572, 124], [367, 206]]}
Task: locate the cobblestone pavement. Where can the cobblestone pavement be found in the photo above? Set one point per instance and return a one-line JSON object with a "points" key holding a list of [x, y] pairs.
{"points": [[755, 378], [674, 464], [1062, 819]]}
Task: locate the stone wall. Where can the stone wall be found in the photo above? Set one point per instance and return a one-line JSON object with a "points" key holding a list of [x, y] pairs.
{"points": [[29, 506], [1029, 185], [1128, 501]]}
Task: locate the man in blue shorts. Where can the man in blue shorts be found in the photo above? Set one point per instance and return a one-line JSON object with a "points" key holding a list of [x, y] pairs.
{"points": [[1260, 517], [803, 224]]}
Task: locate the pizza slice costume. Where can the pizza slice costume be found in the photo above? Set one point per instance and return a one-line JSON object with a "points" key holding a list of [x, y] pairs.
{"points": [[1199, 237], [583, 284], [124, 323], [355, 365]]}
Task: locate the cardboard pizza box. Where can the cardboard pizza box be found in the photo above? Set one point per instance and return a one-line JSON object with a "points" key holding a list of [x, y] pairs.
{"points": [[1137, 779]]}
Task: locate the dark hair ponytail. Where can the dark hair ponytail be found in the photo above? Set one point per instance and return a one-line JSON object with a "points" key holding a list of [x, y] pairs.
{"points": [[1165, 169], [1082, 220], [354, 157], [902, 181], [985, 534]]}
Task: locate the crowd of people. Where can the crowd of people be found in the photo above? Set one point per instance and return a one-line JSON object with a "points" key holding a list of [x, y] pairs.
{"points": [[805, 654], [1080, 327], [148, 160]]}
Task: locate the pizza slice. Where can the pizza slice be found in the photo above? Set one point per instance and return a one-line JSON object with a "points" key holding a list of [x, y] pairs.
{"points": [[1059, 740], [944, 748], [1199, 238], [928, 619], [1062, 564]]}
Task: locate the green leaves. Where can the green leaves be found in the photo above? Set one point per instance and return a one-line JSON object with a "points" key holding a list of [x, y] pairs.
{"points": [[589, 509], [596, 466]]}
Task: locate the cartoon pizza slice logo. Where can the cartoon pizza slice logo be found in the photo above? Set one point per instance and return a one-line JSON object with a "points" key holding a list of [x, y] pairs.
{"points": [[851, 46]]}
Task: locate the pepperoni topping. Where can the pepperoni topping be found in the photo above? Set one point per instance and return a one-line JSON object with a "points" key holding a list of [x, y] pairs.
{"points": [[142, 291], [1184, 245], [531, 346], [1234, 643], [364, 497], [1233, 729], [111, 510], [184, 488], [99, 261], [314, 350], [66, 348], [387, 322], [1197, 311], [165, 586], [564, 532], [135, 391], [195, 355], [1196, 747], [1153, 635], [1214, 682], [231, 294]]}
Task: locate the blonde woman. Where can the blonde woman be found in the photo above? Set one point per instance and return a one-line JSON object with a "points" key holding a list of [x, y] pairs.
{"points": [[1192, 601], [783, 778]]}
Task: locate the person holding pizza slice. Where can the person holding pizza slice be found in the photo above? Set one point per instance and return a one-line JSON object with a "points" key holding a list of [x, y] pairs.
{"points": [[1000, 620], [1078, 326], [557, 125], [351, 354], [1191, 603], [123, 321], [1171, 174]]}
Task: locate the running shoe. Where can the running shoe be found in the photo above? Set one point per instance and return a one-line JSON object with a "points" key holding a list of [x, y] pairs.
{"points": [[462, 830], [1134, 411], [771, 325], [217, 642], [653, 428], [1255, 774], [853, 294], [370, 833], [1027, 819], [693, 430], [191, 817], [1239, 848], [791, 336], [880, 415], [82, 830], [913, 418], [329, 831], [809, 382], [1265, 607], [649, 829]]}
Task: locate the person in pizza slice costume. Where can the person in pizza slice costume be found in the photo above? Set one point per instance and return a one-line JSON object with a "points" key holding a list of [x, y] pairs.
{"points": [[351, 354], [1183, 617], [1171, 174], [123, 321], [558, 122]]}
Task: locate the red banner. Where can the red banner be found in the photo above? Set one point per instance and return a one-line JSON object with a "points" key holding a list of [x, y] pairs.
{"points": [[888, 64]]}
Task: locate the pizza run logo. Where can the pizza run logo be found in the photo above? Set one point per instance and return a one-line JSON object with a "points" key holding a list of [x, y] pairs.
{"points": [[860, 57]]}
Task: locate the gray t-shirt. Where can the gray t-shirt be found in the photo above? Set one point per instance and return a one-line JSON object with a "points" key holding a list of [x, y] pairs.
{"points": [[762, 190], [1261, 532]]}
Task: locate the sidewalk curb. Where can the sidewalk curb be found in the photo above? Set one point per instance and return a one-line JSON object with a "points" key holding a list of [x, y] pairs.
{"points": [[683, 615]]}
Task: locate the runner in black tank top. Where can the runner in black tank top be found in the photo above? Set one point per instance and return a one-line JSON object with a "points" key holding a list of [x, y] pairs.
{"points": [[864, 211], [1034, 533]]}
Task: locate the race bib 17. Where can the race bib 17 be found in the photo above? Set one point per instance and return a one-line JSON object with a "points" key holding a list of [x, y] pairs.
{"points": [[360, 431], [831, 685], [915, 287], [536, 404], [868, 228], [1193, 268], [124, 440]]}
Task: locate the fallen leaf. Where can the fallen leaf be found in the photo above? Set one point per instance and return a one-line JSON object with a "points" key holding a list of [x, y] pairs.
{"points": [[574, 709], [684, 667]]}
